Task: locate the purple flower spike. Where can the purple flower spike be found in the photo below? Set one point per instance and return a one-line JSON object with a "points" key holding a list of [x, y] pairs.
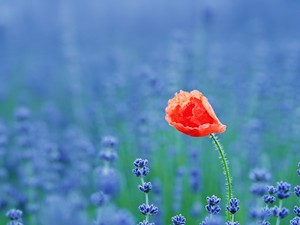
{"points": [[178, 220]]}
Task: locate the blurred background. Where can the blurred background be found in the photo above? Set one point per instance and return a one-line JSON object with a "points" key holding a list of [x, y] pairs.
{"points": [[82, 79]]}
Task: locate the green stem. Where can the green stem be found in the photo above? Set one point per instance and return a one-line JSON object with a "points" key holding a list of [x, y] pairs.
{"points": [[146, 200], [226, 171], [278, 217]]}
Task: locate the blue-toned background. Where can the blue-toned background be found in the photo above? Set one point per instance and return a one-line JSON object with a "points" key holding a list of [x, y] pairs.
{"points": [[79, 78]]}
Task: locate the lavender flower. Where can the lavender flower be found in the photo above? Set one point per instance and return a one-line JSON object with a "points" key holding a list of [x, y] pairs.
{"points": [[258, 189], [297, 211], [260, 175], [271, 189], [145, 223], [110, 214], [261, 213], [140, 163], [141, 170], [15, 216], [268, 199], [295, 221], [283, 213], [158, 201], [108, 181], [297, 190], [213, 200], [194, 180], [108, 153], [196, 209], [279, 212], [212, 207], [98, 198], [178, 220], [148, 209], [22, 113], [67, 206], [178, 189], [212, 220], [234, 206], [109, 141], [145, 187], [282, 190]]}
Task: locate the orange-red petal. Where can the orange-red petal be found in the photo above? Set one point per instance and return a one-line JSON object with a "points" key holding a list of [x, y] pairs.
{"points": [[191, 114]]}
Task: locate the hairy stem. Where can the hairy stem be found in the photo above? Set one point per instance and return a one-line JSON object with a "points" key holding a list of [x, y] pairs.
{"points": [[226, 170]]}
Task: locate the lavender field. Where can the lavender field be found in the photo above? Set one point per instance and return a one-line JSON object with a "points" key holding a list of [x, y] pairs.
{"points": [[83, 90]]}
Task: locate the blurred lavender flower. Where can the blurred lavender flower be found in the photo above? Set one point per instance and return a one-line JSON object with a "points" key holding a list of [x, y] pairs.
{"points": [[146, 223], [108, 180], [297, 190], [178, 189], [120, 216], [98, 198], [260, 177], [213, 220], [261, 214], [3, 152], [158, 201], [16, 196], [297, 210], [68, 209], [108, 152], [195, 174], [109, 141], [196, 209], [15, 216], [295, 221]]}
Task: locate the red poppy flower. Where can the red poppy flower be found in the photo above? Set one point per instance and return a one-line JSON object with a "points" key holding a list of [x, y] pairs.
{"points": [[191, 114]]}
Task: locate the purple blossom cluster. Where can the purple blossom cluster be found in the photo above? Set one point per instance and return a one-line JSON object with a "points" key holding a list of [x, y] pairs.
{"points": [[273, 199], [51, 174], [141, 170], [15, 217]]}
